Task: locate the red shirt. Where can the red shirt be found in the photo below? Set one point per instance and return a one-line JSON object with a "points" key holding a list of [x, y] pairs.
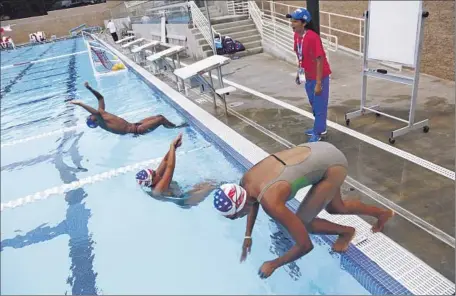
{"points": [[312, 48]]}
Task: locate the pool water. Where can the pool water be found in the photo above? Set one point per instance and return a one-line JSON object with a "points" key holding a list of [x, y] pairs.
{"points": [[110, 237]]}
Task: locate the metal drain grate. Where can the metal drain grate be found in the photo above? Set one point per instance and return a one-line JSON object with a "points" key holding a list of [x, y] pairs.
{"points": [[411, 272]]}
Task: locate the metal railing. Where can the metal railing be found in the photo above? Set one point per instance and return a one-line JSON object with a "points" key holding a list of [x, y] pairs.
{"points": [[279, 33], [149, 12], [282, 32], [273, 26], [200, 21], [278, 11], [237, 7], [256, 15]]}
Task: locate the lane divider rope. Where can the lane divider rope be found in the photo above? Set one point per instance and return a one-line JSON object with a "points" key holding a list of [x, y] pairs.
{"points": [[64, 130], [58, 190], [42, 60]]}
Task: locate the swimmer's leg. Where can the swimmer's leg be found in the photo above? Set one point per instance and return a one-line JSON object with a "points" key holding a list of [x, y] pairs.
{"points": [[356, 207], [151, 123], [318, 197], [199, 192], [155, 121]]}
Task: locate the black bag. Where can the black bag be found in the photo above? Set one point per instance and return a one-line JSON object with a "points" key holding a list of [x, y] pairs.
{"points": [[239, 46], [229, 46]]}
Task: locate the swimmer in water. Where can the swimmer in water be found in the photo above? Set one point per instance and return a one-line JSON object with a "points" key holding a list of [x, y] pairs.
{"points": [[114, 124], [159, 183], [276, 179]]}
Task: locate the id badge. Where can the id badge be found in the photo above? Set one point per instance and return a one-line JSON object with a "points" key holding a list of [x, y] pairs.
{"points": [[302, 77]]}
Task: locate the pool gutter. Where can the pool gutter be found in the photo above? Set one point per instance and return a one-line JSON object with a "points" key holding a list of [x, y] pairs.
{"points": [[377, 262]]}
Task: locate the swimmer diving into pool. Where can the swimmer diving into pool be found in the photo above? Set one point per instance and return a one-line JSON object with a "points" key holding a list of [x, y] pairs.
{"points": [[114, 124], [276, 179], [159, 183]]}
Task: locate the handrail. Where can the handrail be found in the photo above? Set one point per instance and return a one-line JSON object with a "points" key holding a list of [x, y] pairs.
{"points": [[284, 29], [279, 31], [256, 15], [237, 7], [201, 22], [323, 15]]}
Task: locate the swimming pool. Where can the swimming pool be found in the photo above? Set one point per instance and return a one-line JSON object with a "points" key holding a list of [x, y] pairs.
{"points": [[109, 236]]}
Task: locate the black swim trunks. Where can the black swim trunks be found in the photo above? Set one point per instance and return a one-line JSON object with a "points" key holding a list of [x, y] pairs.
{"points": [[135, 128]]}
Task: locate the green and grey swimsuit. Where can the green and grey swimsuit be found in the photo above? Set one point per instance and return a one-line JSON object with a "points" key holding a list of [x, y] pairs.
{"points": [[311, 170]]}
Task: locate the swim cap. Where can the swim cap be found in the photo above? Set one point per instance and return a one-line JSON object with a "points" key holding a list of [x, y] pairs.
{"points": [[145, 177], [91, 123], [230, 199]]}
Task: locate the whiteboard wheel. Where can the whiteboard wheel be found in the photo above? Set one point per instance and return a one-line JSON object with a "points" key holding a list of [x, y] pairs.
{"points": [[392, 140], [426, 129], [347, 122]]}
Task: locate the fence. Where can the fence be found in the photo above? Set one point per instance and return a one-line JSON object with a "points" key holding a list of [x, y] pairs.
{"points": [[277, 34], [349, 40], [237, 7], [200, 21]]}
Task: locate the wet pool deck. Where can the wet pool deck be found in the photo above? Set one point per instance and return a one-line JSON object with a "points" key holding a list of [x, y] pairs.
{"points": [[424, 193]]}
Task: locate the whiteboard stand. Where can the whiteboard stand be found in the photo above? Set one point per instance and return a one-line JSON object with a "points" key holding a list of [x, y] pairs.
{"points": [[383, 74]]}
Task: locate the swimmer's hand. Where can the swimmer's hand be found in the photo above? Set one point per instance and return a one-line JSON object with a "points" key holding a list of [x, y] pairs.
{"points": [[86, 84], [76, 102], [246, 247], [177, 141], [267, 269]]}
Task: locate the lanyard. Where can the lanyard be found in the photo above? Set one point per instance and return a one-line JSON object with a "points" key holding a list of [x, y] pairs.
{"points": [[299, 46]]}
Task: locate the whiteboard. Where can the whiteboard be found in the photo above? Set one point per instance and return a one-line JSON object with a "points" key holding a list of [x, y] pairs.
{"points": [[394, 28]]}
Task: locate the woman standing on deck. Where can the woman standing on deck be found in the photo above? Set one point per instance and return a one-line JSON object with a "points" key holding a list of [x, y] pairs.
{"points": [[276, 179], [313, 65]]}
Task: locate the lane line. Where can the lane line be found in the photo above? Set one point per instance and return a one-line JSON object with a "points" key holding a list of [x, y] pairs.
{"points": [[63, 130], [45, 194], [42, 60]]}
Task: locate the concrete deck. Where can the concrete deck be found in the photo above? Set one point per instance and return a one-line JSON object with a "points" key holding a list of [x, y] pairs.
{"points": [[418, 190]]}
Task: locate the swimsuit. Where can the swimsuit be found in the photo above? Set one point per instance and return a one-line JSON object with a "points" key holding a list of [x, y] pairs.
{"points": [[134, 128], [311, 170]]}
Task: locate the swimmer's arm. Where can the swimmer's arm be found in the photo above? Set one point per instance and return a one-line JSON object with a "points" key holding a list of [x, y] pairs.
{"points": [[88, 108], [161, 168], [295, 227], [251, 218], [167, 176], [101, 102]]}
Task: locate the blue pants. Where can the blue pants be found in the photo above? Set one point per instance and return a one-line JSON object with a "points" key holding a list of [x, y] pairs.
{"points": [[319, 103]]}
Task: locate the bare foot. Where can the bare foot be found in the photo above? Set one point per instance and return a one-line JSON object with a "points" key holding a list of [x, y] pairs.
{"points": [[343, 241], [185, 124], [178, 141], [381, 220]]}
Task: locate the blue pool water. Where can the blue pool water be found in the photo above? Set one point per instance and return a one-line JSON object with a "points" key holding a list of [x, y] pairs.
{"points": [[110, 237]]}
